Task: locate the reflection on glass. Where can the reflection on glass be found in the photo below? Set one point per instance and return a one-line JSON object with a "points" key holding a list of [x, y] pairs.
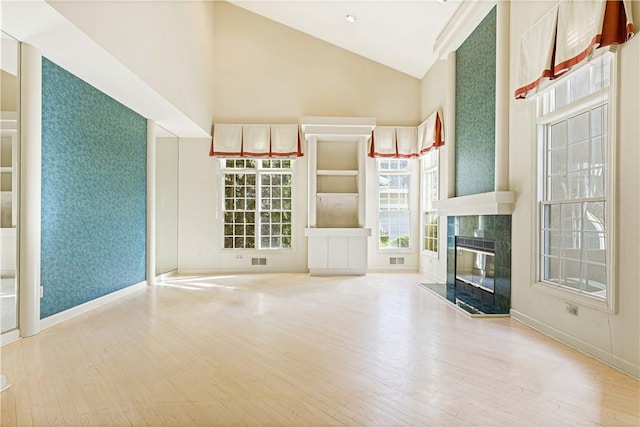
{"points": [[166, 201], [8, 183]]}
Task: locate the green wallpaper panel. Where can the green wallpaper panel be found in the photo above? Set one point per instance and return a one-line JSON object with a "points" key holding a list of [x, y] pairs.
{"points": [[93, 192], [475, 110]]}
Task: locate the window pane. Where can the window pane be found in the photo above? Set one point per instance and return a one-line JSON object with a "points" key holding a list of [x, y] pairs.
{"points": [[551, 271], [598, 151], [552, 243], [559, 134], [595, 247], [579, 156], [578, 185], [578, 127], [572, 274], [559, 188], [558, 161], [596, 279], [594, 215], [572, 216], [560, 96], [580, 84], [597, 183]]}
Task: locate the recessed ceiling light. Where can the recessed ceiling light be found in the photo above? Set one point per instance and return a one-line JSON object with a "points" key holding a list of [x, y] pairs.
{"points": [[351, 18]]}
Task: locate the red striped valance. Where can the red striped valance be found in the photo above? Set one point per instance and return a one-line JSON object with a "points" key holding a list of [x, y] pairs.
{"points": [[566, 36], [235, 140]]}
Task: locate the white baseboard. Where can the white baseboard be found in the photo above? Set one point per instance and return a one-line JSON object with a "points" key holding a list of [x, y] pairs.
{"points": [[230, 271], [9, 337], [52, 320], [578, 344]]}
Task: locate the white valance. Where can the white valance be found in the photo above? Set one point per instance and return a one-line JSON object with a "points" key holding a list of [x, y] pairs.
{"points": [[383, 142], [587, 25], [567, 35], [285, 141], [406, 142], [431, 133], [537, 46], [394, 142], [227, 140], [255, 140]]}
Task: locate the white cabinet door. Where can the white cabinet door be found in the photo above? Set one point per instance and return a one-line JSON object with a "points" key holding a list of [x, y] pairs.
{"points": [[358, 252], [317, 256], [338, 255]]}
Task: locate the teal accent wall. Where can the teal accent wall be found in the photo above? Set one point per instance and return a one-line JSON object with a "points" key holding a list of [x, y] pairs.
{"points": [[476, 110], [93, 192]]}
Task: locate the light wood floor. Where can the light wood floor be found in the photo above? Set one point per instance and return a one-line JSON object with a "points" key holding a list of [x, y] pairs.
{"points": [[292, 350]]}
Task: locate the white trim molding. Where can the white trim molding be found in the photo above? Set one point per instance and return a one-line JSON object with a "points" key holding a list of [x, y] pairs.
{"points": [[90, 305], [461, 25], [492, 203], [578, 344]]}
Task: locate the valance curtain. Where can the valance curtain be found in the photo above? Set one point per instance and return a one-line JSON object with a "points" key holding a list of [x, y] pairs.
{"points": [[431, 133], [566, 36], [235, 140], [407, 142]]}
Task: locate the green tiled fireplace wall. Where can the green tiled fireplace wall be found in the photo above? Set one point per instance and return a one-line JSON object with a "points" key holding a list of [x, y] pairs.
{"points": [[93, 192], [475, 110]]}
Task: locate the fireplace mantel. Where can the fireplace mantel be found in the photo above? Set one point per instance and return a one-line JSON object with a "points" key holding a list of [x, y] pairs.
{"points": [[492, 203]]}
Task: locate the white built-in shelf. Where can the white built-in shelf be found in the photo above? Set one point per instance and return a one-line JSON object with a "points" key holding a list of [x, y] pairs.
{"points": [[337, 172], [6, 169]]}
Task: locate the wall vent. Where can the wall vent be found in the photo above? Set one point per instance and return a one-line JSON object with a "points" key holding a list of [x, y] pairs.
{"points": [[258, 261], [396, 260]]}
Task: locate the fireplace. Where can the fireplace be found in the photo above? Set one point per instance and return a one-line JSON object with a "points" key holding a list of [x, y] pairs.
{"points": [[475, 274], [479, 263], [475, 263]]}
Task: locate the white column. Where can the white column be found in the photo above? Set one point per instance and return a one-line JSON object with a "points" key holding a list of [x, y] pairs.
{"points": [[502, 97], [362, 181], [450, 127], [151, 201], [30, 191], [312, 154]]}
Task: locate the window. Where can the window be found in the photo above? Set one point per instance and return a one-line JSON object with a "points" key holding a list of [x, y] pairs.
{"points": [[257, 203], [430, 194], [574, 187], [394, 214]]}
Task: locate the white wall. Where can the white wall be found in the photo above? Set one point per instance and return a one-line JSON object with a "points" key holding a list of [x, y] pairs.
{"points": [[168, 44], [166, 236], [200, 243], [266, 72], [433, 95], [613, 338]]}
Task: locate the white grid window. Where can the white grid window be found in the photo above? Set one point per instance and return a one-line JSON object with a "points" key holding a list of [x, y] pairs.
{"points": [[430, 194], [574, 185], [394, 214], [257, 203]]}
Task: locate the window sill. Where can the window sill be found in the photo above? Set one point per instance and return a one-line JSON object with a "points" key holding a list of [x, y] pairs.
{"points": [[431, 254], [574, 297]]}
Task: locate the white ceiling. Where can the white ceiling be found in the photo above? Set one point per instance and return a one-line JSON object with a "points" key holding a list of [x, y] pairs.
{"points": [[399, 34]]}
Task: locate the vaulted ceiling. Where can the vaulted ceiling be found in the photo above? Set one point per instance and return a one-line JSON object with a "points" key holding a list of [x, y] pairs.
{"points": [[399, 34]]}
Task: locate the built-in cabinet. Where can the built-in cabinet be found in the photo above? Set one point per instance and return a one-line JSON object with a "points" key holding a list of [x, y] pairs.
{"points": [[336, 234]]}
